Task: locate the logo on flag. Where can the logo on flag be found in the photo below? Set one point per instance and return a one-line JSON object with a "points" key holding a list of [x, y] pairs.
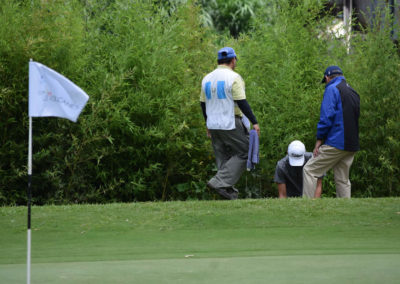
{"points": [[52, 94]]}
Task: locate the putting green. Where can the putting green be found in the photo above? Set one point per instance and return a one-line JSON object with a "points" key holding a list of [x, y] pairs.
{"points": [[365, 268], [244, 241]]}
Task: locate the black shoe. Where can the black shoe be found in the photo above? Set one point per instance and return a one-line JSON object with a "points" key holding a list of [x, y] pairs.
{"points": [[233, 192], [222, 192]]}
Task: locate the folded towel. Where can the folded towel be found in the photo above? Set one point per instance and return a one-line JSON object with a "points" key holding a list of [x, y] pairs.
{"points": [[254, 145]]}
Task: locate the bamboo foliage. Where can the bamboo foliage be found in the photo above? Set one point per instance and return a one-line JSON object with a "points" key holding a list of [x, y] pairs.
{"points": [[142, 136]]}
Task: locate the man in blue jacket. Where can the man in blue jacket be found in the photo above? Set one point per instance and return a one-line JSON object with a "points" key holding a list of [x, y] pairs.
{"points": [[337, 135]]}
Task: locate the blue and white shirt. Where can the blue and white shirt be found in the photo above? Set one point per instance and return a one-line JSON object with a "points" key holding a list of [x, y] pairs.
{"points": [[219, 90]]}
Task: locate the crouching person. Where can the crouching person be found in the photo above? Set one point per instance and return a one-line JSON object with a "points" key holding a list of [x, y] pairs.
{"points": [[289, 172]]}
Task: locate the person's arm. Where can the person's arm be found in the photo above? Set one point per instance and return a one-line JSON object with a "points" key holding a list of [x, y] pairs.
{"points": [[282, 190], [203, 108], [327, 112], [280, 180], [246, 109], [318, 191], [239, 96]]}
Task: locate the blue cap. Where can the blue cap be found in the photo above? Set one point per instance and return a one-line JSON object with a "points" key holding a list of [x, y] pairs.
{"points": [[226, 53], [332, 70]]}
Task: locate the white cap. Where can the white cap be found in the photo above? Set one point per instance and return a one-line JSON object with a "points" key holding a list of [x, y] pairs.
{"points": [[296, 151]]}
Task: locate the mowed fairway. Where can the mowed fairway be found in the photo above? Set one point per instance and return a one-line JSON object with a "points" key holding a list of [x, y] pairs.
{"points": [[243, 241]]}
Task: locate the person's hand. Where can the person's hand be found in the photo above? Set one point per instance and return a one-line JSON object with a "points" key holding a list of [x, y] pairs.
{"points": [[256, 128], [316, 148], [315, 152]]}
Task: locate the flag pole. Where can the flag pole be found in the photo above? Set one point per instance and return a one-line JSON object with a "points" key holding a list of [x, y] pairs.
{"points": [[67, 101], [28, 261], [28, 271]]}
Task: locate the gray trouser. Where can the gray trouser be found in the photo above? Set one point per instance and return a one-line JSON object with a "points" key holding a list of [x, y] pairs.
{"points": [[231, 148], [329, 157]]}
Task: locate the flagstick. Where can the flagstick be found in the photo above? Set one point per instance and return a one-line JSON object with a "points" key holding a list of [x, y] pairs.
{"points": [[28, 270], [69, 95]]}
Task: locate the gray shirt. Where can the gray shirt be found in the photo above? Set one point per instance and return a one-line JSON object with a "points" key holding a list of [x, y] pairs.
{"points": [[291, 176]]}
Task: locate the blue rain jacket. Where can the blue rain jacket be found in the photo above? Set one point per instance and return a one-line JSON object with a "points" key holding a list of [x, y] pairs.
{"points": [[340, 110]]}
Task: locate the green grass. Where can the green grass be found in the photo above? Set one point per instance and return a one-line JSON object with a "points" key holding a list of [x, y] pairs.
{"points": [[243, 241]]}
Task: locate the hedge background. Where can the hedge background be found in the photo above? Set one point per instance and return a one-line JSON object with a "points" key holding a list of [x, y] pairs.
{"points": [[142, 136]]}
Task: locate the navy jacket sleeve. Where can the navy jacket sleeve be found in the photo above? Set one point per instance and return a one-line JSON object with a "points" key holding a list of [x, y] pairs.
{"points": [[246, 109], [327, 112], [203, 108]]}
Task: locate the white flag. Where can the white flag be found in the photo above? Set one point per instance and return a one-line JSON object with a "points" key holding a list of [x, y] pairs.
{"points": [[51, 94]]}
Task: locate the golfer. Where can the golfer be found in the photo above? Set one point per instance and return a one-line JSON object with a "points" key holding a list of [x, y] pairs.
{"points": [[223, 102], [289, 171], [337, 134]]}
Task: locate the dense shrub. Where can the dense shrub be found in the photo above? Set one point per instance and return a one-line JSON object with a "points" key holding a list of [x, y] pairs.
{"points": [[373, 68], [150, 113], [230, 16], [283, 65], [48, 32], [142, 135]]}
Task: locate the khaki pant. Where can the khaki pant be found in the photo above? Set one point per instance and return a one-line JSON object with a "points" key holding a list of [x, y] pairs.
{"points": [[328, 158]]}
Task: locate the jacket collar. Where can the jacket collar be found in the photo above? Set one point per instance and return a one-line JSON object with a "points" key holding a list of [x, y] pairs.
{"points": [[334, 80]]}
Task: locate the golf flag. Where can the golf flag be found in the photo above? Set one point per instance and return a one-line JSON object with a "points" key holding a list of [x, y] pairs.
{"points": [[51, 94]]}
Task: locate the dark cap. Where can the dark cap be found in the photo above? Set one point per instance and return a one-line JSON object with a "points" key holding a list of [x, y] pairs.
{"points": [[226, 53], [332, 70]]}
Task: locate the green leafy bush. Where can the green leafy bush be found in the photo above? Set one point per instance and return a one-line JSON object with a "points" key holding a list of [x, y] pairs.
{"points": [[52, 33], [142, 136], [373, 67], [232, 16], [142, 123], [283, 62]]}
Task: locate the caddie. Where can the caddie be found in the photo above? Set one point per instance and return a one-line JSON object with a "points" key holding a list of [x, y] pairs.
{"points": [[223, 102]]}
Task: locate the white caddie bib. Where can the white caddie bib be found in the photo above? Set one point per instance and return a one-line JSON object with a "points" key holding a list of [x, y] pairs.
{"points": [[220, 106]]}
